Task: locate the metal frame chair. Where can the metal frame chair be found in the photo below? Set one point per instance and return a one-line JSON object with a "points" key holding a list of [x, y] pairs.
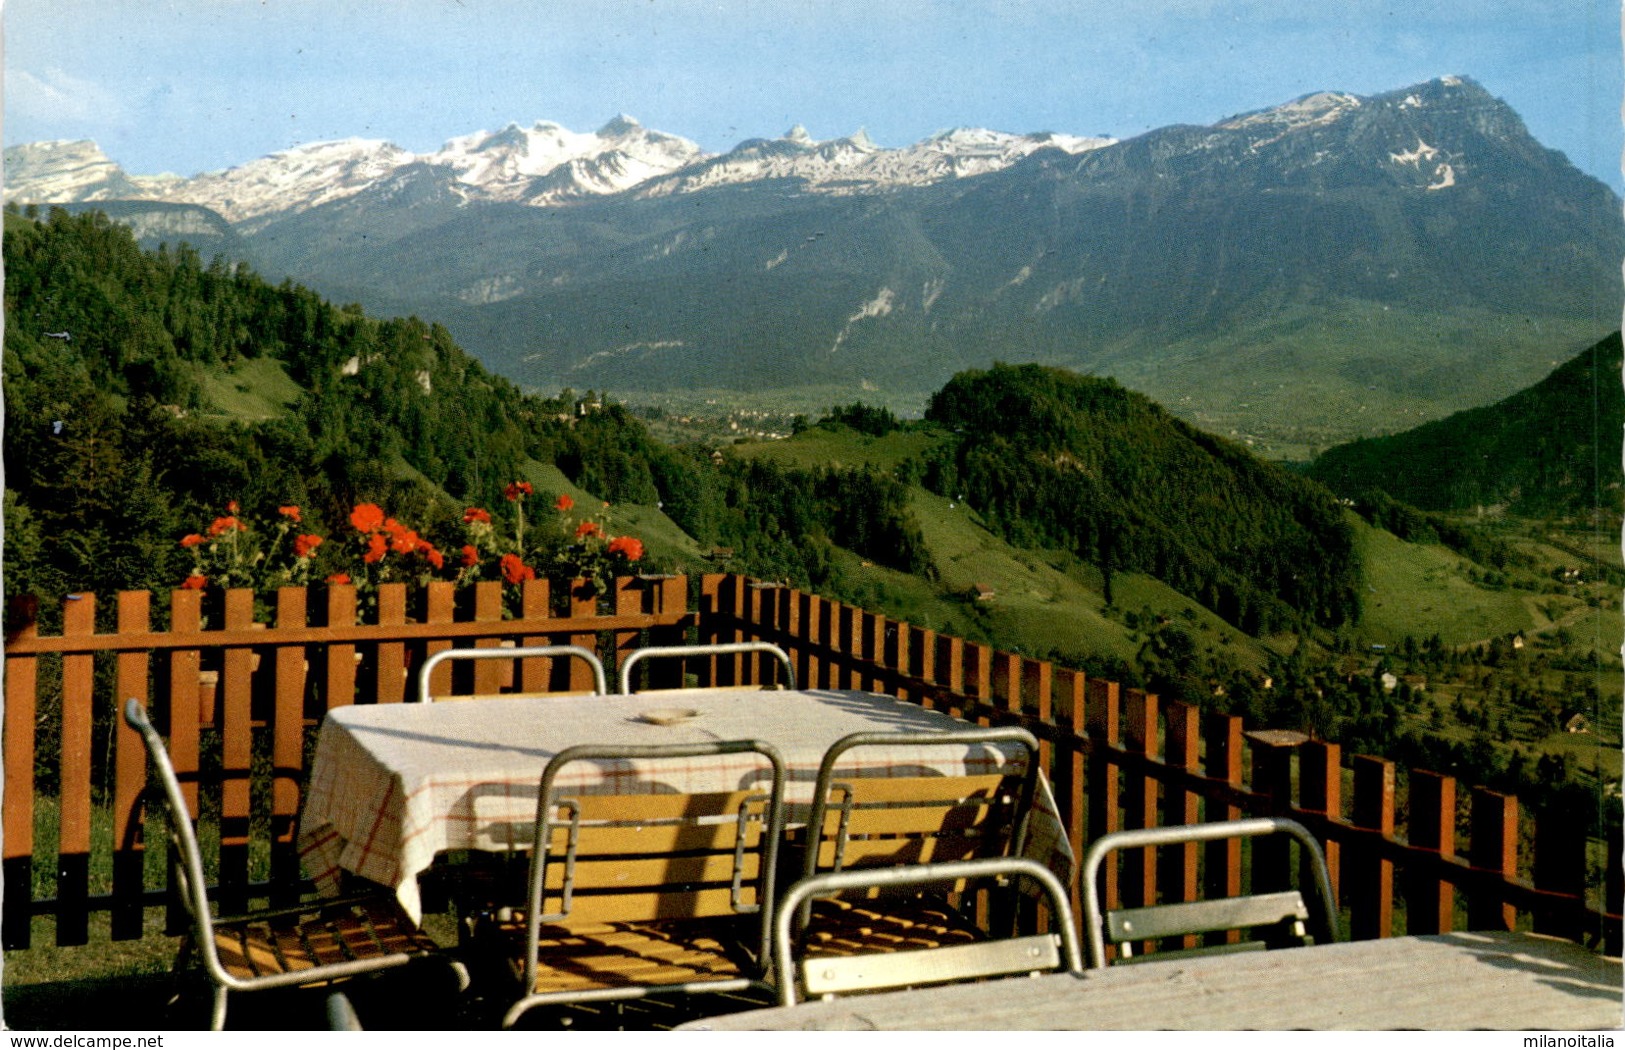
{"points": [[715, 649], [600, 680], [1282, 916], [314, 943], [860, 822], [826, 977], [636, 893]]}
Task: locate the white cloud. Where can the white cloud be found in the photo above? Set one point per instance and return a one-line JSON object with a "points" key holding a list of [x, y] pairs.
{"points": [[58, 97]]}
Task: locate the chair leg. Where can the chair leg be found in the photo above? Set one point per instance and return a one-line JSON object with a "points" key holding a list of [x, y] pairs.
{"points": [[218, 1022]]}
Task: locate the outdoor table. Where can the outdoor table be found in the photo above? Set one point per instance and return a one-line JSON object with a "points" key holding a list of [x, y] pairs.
{"points": [[393, 785], [1451, 982]]}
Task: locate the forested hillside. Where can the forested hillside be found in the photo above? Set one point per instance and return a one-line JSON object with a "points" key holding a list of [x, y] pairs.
{"points": [[147, 391], [1056, 459], [1550, 450]]}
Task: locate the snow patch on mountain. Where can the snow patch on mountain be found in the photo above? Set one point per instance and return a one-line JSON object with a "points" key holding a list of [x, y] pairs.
{"points": [[857, 165], [1416, 156], [547, 163], [292, 180], [879, 306]]}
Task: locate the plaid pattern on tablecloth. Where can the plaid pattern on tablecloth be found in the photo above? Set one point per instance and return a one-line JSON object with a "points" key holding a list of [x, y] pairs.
{"points": [[393, 785]]}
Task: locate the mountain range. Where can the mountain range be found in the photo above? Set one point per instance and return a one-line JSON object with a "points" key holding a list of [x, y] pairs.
{"points": [[1331, 268]]}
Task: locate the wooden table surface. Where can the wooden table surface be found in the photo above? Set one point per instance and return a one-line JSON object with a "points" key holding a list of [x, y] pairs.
{"points": [[1446, 982]]}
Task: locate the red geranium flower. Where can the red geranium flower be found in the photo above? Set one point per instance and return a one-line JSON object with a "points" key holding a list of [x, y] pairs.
{"points": [[404, 540], [563, 504], [377, 547], [339, 577], [588, 528], [305, 546], [516, 571], [517, 490], [231, 507], [475, 514], [436, 559], [291, 513], [630, 546], [471, 557], [195, 582], [224, 525], [367, 517], [191, 541]]}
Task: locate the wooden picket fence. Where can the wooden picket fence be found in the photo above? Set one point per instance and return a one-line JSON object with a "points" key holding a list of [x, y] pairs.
{"points": [[240, 699]]}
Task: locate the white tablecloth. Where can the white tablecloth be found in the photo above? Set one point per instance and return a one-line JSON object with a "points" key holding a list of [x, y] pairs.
{"points": [[392, 785]]}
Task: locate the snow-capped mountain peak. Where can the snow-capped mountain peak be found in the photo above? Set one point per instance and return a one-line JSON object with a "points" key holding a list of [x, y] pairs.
{"points": [[544, 163]]}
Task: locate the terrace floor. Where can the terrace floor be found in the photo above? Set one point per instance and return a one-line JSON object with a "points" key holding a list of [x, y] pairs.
{"points": [[126, 985]]}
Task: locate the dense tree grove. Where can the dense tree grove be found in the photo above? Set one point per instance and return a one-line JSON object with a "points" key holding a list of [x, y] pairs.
{"points": [[1055, 459]]}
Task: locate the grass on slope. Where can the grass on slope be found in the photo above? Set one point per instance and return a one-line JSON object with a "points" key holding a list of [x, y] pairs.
{"points": [[1046, 601], [842, 447], [662, 539], [1423, 589], [257, 388]]}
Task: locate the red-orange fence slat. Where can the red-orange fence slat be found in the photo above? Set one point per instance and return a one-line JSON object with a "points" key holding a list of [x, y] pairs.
{"points": [[1182, 746], [1430, 901], [1493, 847], [17, 828], [1103, 718], [536, 674], [1222, 738], [1320, 794], [129, 768], [390, 659], [238, 668], [1368, 877], [439, 607], [1138, 885], [287, 747], [78, 712], [1272, 752], [343, 658], [488, 676], [187, 694]]}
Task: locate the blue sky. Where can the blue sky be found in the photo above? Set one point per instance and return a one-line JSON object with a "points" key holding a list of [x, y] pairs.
{"points": [[198, 85]]}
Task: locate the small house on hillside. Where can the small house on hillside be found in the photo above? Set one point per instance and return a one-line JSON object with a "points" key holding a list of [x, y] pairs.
{"points": [[981, 592]]}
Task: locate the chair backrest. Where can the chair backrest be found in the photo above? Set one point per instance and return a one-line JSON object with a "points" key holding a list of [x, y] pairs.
{"points": [[828, 976], [1275, 918], [884, 820], [643, 855], [718, 649], [600, 680], [182, 836]]}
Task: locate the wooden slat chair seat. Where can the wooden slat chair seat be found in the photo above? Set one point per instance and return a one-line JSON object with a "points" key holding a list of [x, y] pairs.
{"points": [[684, 652], [636, 893], [311, 944], [892, 923], [268, 944], [1266, 919], [867, 965], [610, 956], [872, 822]]}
